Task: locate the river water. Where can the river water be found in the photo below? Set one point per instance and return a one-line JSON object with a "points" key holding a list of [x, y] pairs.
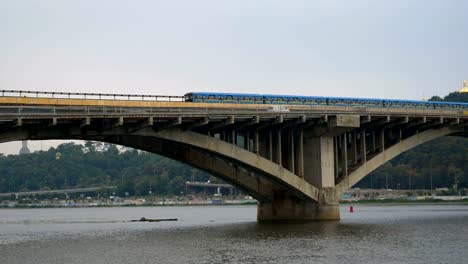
{"points": [[230, 234]]}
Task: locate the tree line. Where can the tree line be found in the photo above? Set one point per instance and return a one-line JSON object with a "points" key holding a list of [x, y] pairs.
{"points": [[73, 165]]}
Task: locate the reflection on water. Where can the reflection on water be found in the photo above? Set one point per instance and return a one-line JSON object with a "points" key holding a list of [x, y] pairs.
{"points": [[373, 234]]}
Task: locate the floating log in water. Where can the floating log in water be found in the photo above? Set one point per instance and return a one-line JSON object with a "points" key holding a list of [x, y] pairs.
{"points": [[143, 219]]}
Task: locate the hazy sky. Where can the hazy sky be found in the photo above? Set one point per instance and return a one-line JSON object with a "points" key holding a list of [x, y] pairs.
{"points": [[392, 49]]}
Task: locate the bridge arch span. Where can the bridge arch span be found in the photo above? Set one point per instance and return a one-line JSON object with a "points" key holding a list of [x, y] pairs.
{"points": [[395, 150], [247, 171]]}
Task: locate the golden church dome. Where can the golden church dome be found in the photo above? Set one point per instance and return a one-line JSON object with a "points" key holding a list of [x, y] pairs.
{"points": [[464, 89]]}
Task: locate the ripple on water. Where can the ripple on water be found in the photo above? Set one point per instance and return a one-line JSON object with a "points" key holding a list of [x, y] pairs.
{"points": [[385, 234]]}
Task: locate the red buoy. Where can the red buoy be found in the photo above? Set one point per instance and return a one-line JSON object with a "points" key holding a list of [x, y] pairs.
{"points": [[351, 209]]}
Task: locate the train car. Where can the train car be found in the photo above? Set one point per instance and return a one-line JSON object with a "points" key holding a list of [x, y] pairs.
{"points": [[294, 99], [450, 105], [369, 102], [233, 98], [339, 101], [275, 99], [239, 98], [314, 100]]}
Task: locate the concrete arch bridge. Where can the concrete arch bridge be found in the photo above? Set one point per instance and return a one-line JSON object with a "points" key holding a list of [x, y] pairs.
{"points": [[296, 160]]}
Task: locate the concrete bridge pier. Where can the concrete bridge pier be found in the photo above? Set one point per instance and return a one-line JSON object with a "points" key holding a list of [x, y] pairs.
{"points": [[286, 207], [319, 170], [319, 162]]}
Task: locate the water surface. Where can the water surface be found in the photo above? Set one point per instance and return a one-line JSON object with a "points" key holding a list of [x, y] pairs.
{"points": [[215, 234]]}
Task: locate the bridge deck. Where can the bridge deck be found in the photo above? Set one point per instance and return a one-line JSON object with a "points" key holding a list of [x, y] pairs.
{"points": [[61, 106]]}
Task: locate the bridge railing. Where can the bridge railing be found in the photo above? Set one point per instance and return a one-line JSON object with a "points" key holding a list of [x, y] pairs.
{"points": [[57, 111], [91, 96], [30, 111]]}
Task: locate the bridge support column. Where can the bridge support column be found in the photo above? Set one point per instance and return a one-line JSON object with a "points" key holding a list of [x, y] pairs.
{"points": [[354, 148], [299, 149], [257, 142], [279, 153], [382, 140], [336, 143], [363, 146], [292, 154], [270, 145], [373, 141], [247, 140], [285, 207], [319, 164], [344, 154], [319, 170]]}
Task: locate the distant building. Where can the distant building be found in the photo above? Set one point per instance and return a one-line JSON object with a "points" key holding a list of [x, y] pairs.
{"points": [[464, 89], [216, 189], [24, 148]]}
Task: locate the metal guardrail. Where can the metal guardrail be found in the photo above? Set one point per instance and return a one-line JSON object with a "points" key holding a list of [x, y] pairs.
{"points": [[100, 96], [57, 111], [26, 110], [21, 111]]}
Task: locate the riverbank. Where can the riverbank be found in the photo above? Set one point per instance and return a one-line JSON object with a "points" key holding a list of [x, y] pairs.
{"points": [[128, 203], [232, 203], [406, 201]]}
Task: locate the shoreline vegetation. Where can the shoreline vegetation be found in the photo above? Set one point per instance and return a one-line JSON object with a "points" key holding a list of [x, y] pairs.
{"points": [[461, 201], [37, 206]]}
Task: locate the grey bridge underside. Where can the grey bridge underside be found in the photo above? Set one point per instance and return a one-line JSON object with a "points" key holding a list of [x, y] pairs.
{"points": [[252, 173], [395, 150], [245, 170]]}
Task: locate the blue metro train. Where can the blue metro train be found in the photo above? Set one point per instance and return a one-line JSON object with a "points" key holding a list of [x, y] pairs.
{"points": [[238, 98]]}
